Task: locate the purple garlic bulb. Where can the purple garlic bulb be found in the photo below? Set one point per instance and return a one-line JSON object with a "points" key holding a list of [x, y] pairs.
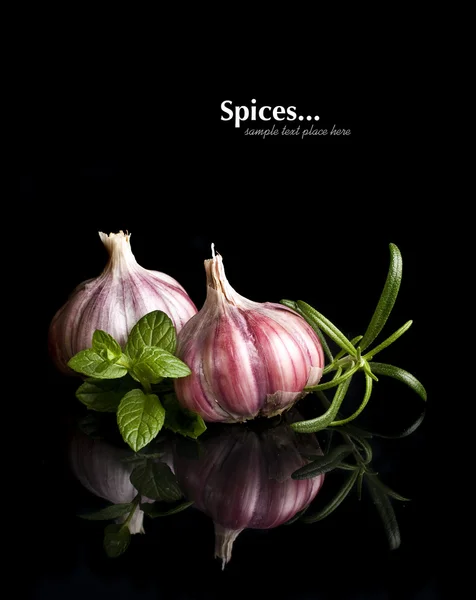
{"points": [[243, 480], [247, 358], [114, 302], [101, 469]]}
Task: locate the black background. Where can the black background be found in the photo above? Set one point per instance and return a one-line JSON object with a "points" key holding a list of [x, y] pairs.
{"points": [[303, 219]]}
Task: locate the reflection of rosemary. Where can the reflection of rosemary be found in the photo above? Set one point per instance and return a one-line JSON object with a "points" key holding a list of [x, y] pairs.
{"points": [[358, 452], [351, 357]]}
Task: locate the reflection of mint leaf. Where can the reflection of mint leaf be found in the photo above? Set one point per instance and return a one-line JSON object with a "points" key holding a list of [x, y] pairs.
{"points": [[190, 449], [106, 346], [154, 329], [90, 425], [154, 449], [153, 511], [116, 540], [140, 417], [151, 364], [110, 512], [180, 420], [140, 456], [104, 395], [155, 480], [92, 364]]}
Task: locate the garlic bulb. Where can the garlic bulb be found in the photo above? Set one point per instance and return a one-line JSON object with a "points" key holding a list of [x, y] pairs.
{"points": [[100, 468], [114, 302], [247, 358], [243, 480]]}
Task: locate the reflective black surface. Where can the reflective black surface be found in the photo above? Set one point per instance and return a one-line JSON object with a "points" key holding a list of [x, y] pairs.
{"points": [[346, 554], [325, 241]]}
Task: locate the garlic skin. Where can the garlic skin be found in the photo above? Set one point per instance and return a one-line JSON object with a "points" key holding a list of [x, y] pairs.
{"points": [[114, 302], [247, 358], [243, 479], [100, 468]]}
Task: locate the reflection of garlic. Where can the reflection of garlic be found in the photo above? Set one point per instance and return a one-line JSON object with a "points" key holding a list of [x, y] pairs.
{"points": [[114, 302], [243, 479], [100, 468], [247, 358]]}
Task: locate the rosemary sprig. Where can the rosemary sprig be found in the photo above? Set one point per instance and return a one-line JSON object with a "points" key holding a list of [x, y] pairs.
{"points": [[350, 360]]}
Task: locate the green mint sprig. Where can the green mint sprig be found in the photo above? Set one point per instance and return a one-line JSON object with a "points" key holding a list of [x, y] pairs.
{"points": [[140, 417], [352, 359], [128, 382]]}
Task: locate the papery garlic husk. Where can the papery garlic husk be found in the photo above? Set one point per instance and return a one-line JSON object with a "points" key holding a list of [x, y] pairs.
{"points": [[100, 467], [114, 302], [243, 479], [247, 358]]}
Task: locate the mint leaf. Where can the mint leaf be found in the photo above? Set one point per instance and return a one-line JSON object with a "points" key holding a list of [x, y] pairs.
{"points": [[154, 329], [155, 480], [92, 364], [140, 417], [180, 420], [104, 395], [151, 364], [110, 512], [116, 540], [106, 346]]}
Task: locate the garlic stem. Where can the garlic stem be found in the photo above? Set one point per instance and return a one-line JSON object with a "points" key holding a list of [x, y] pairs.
{"points": [[216, 279], [120, 253], [224, 539]]}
